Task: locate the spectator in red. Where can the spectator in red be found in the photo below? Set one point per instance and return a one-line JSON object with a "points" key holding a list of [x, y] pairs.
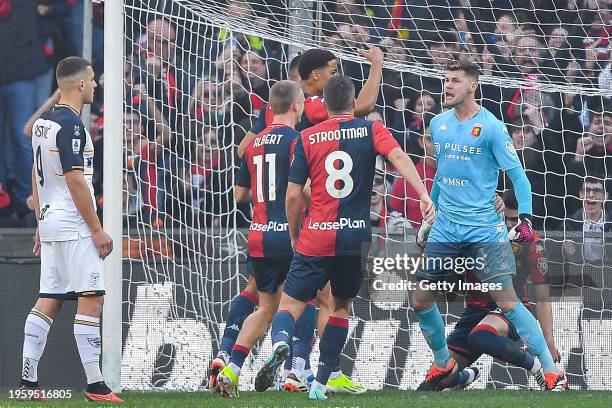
{"points": [[256, 82], [169, 70], [404, 198]]}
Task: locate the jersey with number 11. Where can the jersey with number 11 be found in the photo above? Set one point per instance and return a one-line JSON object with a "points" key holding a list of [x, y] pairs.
{"points": [[264, 169], [339, 157]]}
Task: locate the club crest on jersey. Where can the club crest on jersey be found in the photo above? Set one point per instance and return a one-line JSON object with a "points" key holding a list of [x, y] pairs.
{"points": [[77, 131], [476, 130], [76, 145]]}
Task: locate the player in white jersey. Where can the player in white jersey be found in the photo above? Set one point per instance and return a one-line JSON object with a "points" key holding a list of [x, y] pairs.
{"points": [[69, 238]]}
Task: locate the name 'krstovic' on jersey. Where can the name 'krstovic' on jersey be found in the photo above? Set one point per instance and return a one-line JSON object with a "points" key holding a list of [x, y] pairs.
{"points": [[470, 155], [339, 156], [264, 169], [61, 143]]}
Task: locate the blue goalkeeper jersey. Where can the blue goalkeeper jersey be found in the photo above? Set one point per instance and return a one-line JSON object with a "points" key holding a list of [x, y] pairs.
{"points": [[470, 155]]}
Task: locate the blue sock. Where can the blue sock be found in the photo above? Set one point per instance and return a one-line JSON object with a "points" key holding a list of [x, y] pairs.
{"points": [[283, 326], [242, 306], [432, 327], [527, 327], [239, 354], [304, 330], [485, 339], [332, 342]]}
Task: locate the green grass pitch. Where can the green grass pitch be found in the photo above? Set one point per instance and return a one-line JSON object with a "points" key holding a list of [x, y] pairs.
{"points": [[376, 399]]}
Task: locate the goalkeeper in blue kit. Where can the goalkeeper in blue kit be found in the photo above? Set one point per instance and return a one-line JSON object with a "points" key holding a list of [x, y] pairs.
{"points": [[471, 145]]}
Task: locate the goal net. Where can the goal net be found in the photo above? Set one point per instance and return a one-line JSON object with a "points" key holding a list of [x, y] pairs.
{"points": [[196, 75]]}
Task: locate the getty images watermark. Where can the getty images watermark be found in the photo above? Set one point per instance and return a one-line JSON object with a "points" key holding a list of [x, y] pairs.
{"points": [[406, 265]]}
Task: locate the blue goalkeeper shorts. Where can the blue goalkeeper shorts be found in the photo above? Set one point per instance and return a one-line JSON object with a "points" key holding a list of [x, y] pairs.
{"points": [[452, 249]]}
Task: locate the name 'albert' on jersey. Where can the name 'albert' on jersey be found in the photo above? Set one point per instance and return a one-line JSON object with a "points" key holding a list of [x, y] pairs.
{"points": [[339, 156], [61, 143]]}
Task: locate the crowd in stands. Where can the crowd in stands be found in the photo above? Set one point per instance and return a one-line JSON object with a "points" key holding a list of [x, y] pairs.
{"points": [[193, 91]]}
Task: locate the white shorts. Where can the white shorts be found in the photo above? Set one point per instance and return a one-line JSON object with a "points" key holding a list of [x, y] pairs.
{"points": [[70, 269]]}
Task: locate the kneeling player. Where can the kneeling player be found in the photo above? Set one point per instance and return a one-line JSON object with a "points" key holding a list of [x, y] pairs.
{"points": [[69, 238], [482, 329], [263, 173], [338, 155]]}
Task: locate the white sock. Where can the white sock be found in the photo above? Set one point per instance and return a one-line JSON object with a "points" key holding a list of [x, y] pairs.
{"points": [[35, 330], [87, 336], [318, 386], [285, 374], [335, 375], [234, 368], [536, 366], [308, 373], [298, 367]]}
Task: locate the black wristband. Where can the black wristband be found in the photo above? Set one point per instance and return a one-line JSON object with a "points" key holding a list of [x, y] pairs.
{"points": [[525, 216]]}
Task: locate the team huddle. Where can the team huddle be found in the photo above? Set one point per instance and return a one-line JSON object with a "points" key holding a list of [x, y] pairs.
{"points": [[307, 167], [310, 226]]}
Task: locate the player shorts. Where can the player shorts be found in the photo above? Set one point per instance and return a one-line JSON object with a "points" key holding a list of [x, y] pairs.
{"points": [[70, 269], [452, 249], [470, 318], [308, 274], [270, 272]]}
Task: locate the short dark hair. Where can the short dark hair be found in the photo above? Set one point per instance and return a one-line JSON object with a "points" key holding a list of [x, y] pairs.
{"points": [[470, 68], [312, 59], [282, 95], [70, 66], [593, 180], [521, 124], [445, 39], [509, 199], [294, 64], [339, 94]]}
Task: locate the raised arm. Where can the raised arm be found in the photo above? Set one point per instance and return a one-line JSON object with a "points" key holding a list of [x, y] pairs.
{"points": [[366, 100]]}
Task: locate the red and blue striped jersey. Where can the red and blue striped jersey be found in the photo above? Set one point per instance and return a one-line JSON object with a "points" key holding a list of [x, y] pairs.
{"points": [[314, 112], [530, 266], [339, 156], [264, 169]]}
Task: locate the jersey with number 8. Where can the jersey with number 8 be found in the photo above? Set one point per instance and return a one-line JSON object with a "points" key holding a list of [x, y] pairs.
{"points": [[339, 156]]}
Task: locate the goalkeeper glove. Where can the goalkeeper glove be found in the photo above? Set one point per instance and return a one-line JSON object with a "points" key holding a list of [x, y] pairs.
{"points": [[522, 233], [423, 234]]}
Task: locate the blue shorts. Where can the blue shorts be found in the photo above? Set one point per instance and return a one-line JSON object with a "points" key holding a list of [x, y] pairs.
{"points": [[308, 274], [270, 272], [451, 246], [458, 340]]}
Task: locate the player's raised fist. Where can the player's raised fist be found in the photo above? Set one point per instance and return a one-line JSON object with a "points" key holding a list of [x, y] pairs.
{"points": [[373, 54], [103, 242], [522, 233]]}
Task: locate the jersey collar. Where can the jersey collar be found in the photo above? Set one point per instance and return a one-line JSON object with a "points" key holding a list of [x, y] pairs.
{"points": [[63, 105]]}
